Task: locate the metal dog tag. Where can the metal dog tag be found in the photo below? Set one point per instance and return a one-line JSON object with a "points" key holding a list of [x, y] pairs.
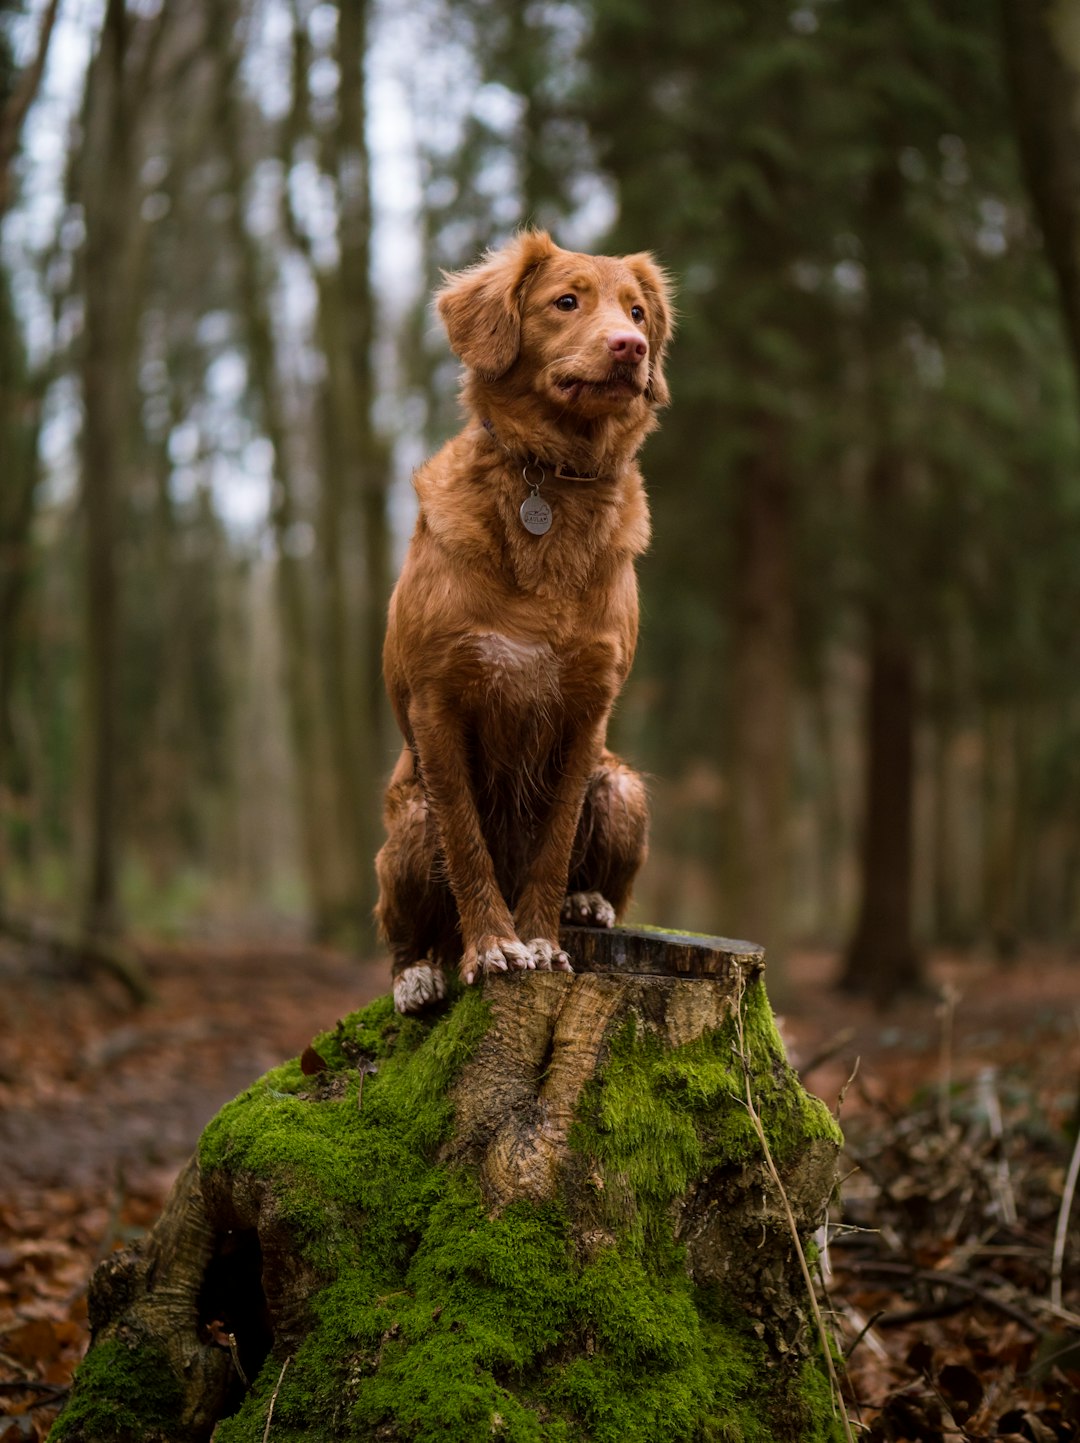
{"points": [[535, 514]]}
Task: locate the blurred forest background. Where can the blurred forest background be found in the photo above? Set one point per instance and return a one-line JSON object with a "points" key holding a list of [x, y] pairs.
{"points": [[858, 688]]}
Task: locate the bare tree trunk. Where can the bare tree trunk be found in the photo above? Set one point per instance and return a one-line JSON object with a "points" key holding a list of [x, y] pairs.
{"points": [[353, 528], [20, 416], [113, 271], [761, 698], [302, 681], [943, 881], [20, 412], [835, 840], [1042, 51], [1002, 850], [543, 1212], [882, 960], [347, 716], [14, 113], [369, 461]]}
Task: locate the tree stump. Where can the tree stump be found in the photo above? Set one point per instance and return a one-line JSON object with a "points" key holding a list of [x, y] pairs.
{"points": [[542, 1213]]}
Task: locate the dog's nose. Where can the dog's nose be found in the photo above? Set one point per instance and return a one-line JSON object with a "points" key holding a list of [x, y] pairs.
{"points": [[628, 346]]}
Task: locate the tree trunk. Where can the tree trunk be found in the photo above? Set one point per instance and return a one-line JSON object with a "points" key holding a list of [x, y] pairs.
{"points": [[1001, 857], [109, 190], [763, 627], [20, 420], [326, 893], [13, 114], [348, 321], [544, 1213], [371, 456], [882, 960], [1042, 51]]}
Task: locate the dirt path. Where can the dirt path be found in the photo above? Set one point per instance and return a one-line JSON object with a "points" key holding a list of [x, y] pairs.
{"points": [[88, 1087]]}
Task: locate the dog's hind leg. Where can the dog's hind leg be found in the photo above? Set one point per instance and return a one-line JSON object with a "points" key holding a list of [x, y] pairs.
{"points": [[416, 911], [610, 846]]}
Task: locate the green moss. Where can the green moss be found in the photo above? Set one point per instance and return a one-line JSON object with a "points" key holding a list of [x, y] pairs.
{"points": [[442, 1324], [656, 1118], [125, 1395]]}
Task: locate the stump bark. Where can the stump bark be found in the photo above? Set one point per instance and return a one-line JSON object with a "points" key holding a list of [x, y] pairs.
{"points": [[542, 1213]]}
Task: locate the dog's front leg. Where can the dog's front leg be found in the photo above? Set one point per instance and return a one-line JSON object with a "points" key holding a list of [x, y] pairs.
{"points": [[490, 943], [540, 903]]}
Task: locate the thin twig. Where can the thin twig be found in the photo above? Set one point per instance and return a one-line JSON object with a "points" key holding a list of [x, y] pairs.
{"points": [[947, 1280], [950, 996], [987, 1096], [759, 1129], [1062, 1228], [865, 1331], [1063, 1315], [273, 1399], [844, 1090]]}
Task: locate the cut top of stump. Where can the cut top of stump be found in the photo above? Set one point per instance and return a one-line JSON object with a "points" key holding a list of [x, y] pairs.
{"points": [[657, 952]]}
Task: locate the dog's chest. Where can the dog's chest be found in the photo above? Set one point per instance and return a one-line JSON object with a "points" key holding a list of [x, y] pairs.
{"points": [[523, 695], [510, 676], [561, 564]]}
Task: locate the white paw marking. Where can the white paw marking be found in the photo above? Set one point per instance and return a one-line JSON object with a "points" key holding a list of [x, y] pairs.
{"points": [[548, 956], [588, 909], [418, 985], [627, 784]]}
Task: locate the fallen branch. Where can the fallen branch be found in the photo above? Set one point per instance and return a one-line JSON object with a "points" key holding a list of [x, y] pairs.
{"points": [[948, 1280], [31, 1385], [80, 953]]}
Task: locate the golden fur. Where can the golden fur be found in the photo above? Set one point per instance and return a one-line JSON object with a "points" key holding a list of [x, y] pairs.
{"points": [[505, 651]]}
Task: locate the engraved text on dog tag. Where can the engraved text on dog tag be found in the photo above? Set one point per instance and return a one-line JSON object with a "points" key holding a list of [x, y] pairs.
{"points": [[535, 514]]}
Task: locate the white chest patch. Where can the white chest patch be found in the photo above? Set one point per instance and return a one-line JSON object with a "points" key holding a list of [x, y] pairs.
{"points": [[522, 673], [503, 653]]}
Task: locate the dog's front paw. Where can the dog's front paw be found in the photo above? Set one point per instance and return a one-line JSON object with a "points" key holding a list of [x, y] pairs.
{"points": [[494, 954], [417, 987], [588, 909], [548, 956]]}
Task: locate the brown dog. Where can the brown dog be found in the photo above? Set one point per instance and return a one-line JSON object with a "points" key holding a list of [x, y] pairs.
{"points": [[514, 621]]}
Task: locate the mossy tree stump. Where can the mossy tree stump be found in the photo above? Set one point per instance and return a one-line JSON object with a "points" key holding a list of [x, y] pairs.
{"points": [[543, 1213]]}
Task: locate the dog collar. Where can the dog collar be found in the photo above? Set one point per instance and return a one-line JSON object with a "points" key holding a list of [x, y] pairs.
{"points": [[559, 469]]}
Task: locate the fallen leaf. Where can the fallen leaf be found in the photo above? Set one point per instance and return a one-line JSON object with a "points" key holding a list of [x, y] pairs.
{"points": [[311, 1062]]}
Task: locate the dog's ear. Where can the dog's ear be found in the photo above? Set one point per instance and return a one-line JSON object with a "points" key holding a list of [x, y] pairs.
{"points": [[659, 321], [481, 307]]}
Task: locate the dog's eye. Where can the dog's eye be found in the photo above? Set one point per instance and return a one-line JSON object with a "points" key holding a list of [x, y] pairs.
{"points": [[637, 314], [566, 303]]}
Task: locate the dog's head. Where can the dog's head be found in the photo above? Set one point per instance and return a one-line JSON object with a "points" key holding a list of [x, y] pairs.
{"points": [[584, 334]]}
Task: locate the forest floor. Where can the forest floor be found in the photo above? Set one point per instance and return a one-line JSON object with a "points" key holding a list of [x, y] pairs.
{"points": [[938, 1273]]}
